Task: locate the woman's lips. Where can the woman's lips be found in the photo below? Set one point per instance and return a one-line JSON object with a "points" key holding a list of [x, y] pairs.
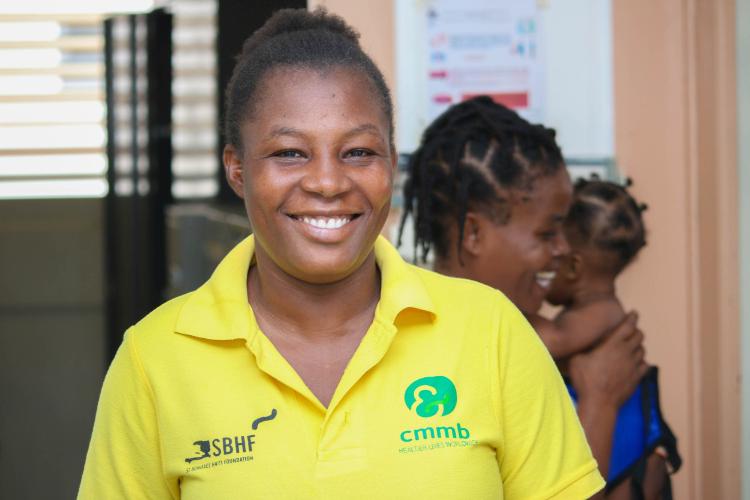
{"points": [[321, 222], [328, 228]]}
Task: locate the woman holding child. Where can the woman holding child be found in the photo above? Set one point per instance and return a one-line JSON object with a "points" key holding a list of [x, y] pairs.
{"points": [[490, 197]]}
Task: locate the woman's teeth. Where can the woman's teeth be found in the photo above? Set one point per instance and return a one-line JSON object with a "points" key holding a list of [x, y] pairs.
{"points": [[545, 278], [326, 222]]}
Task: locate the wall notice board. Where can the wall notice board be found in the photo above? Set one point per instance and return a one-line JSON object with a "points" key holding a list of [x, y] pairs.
{"points": [[551, 60]]}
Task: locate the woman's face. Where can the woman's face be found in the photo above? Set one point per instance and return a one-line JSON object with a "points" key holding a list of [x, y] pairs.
{"points": [[316, 171], [526, 251]]}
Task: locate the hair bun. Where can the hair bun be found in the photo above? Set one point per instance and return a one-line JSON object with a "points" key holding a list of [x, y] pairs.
{"points": [[285, 21]]}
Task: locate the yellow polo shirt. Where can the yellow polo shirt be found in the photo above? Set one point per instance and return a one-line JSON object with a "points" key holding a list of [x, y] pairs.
{"points": [[450, 395]]}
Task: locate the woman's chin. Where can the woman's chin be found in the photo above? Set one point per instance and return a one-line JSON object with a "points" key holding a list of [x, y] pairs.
{"points": [[529, 306], [325, 271], [532, 303], [554, 299]]}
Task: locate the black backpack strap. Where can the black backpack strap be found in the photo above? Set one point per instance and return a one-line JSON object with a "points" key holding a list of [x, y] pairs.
{"points": [[668, 441], [638, 476], [673, 459]]}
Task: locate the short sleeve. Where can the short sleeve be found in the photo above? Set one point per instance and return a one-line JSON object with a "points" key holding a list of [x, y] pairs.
{"points": [[544, 453], [124, 460]]}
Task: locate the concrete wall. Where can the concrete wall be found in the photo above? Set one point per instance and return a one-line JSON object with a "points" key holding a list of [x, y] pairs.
{"points": [[52, 345]]}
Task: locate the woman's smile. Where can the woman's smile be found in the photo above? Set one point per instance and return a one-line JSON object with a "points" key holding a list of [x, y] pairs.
{"points": [[324, 222], [325, 228], [545, 278]]}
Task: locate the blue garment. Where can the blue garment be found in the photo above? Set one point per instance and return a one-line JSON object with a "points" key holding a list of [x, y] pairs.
{"points": [[639, 429]]}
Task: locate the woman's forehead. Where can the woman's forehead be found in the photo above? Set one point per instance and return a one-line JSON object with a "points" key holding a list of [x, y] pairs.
{"points": [[302, 83], [548, 199], [291, 93]]}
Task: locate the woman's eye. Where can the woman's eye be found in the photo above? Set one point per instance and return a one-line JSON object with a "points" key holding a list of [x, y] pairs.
{"points": [[359, 153], [289, 153], [548, 235]]}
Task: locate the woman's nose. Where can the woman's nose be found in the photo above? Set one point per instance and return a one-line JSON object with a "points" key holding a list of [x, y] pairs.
{"points": [[561, 246], [326, 176]]}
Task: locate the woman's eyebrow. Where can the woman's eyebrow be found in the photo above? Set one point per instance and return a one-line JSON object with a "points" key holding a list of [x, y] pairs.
{"points": [[365, 128], [279, 131]]}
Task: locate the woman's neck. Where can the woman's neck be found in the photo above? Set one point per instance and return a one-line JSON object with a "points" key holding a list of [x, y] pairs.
{"points": [[451, 267], [313, 310]]}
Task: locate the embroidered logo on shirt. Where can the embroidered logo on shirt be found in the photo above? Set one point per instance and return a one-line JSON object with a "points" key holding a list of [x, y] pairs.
{"points": [[239, 447], [436, 397], [260, 420], [430, 396]]}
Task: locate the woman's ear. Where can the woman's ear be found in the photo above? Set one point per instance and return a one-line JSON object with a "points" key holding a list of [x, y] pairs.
{"points": [[233, 170], [474, 233]]}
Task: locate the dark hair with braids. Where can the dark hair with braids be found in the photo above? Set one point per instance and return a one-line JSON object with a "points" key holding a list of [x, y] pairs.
{"points": [[605, 217], [472, 157], [296, 38]]}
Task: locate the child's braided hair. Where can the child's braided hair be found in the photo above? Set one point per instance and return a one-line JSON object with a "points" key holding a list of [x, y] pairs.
{"points": [[605, 216]]}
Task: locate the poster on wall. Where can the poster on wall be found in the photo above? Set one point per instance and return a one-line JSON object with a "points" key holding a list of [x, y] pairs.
{"points": [[487, 47]]}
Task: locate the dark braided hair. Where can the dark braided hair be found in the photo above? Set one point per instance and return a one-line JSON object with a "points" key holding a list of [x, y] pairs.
{"points": [[473, 156], [605, 217], [296, 38]]}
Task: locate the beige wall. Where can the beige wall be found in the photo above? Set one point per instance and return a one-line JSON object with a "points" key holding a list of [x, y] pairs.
{"points": [[375, 23], [674, 76], [675, 134]]}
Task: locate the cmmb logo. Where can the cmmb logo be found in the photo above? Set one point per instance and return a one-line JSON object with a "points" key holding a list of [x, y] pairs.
{"points": [[430, 396]]}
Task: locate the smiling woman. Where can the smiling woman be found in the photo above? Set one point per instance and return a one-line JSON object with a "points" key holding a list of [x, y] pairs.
{"points": [[317, 196], [315, 362]]}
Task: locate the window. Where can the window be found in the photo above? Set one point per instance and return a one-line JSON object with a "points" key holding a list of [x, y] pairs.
{"points": [[194, 116], [52, 112]]}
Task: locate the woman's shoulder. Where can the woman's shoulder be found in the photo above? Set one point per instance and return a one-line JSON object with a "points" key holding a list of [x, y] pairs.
{"points": [[158, 326], [166, 313]]}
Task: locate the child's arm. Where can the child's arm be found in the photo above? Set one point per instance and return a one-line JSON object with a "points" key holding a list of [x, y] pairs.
{"points": [[553, 338], [582, 327], [575, 330]]}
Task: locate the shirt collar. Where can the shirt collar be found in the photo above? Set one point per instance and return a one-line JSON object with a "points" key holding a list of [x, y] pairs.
{"points": [[402, 287], [219, 309]]}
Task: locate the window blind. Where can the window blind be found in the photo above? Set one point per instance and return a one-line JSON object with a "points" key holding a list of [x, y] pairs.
{"points": [[52, 112], [194, 113]]}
